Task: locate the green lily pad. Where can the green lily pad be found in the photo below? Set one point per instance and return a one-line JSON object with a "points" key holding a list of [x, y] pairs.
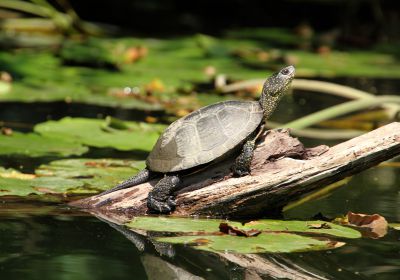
{"points": [[173, 224], [263, 243], [395, 226], [95, 174], [14, 183], [185, 225], [318, 227], [34, 145], [71, 176], [275, 237], [102, 133]]}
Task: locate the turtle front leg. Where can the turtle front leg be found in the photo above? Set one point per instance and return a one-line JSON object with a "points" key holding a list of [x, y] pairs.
{"points": [[241, 167], [160, 198]]}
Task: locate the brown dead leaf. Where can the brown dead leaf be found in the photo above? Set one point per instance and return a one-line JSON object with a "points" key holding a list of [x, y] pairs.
{"points": [[156, 85], [6, 131], [200, 241], [336, 244], [134, 54], [228, 229], [319, 226], [181, 112], [375, 225], [5, 77], [263, 56], [210, 71], [45, 190], [96, 164], [151, 119]]}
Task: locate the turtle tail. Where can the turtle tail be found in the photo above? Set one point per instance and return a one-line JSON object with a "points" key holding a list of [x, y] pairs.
{"points": [[139, 178]]}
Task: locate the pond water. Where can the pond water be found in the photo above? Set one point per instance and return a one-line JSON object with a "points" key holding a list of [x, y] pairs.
{"points": [[56, 242], [47, 241]]}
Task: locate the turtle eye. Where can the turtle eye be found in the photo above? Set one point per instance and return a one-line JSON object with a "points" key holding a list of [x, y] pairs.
{"points": [[285, 71]]}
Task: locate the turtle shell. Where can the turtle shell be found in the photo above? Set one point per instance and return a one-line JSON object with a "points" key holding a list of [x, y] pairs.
{"points": [[204, 135]]}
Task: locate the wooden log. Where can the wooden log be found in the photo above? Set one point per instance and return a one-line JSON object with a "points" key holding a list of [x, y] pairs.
{"points": [[282, 172]]}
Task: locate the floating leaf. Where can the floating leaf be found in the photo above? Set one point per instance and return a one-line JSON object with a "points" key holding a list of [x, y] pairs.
{"points": [[14, 183], [374, 226], [173, 224], [34, 145], [4, 87], [395, 226], [71, 176], [263, 243], [98, 174], [317, 227], [208, 238], [102, 133]]}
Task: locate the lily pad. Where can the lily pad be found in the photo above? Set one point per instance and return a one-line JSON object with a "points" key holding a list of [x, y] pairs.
{"points": [[317, 227], [263, 243], [395, 226], [102, 133], [34, 145], [172, 224], [65, 177], [95, 174], [14, 183]]}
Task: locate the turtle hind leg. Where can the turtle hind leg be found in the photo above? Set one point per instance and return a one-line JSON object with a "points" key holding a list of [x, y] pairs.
{"points": [[160, 198], [241, 167], [143, 176]]}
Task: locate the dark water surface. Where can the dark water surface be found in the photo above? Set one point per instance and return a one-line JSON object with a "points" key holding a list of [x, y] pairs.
{"points": [[50, 242]]}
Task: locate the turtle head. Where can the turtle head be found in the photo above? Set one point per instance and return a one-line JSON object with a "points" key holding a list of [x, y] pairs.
{"points": [[274, 88]]}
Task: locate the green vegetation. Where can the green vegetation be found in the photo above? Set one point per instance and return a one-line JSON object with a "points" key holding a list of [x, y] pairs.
{"points": [[62, 178], [172, 224], [34, 145], [263, 235], [264, 243], [72, 136], [121, 135], [177, 63]]}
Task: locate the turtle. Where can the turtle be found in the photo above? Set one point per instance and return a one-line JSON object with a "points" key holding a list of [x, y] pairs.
{"points": [[207, 135]]}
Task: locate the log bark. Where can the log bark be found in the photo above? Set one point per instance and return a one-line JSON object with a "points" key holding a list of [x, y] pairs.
{"points": [[282, 172]]}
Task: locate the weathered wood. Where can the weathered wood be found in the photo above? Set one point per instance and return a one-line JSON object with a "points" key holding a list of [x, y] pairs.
{"points": [[282, 171]]}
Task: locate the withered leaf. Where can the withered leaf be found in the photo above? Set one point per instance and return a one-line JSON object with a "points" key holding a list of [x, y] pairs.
{"points": [[319, 226], [231, 230], [375, 225]]}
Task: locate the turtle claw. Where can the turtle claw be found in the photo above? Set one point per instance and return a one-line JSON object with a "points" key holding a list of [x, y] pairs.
{"points": [[163, 207], [171, 201], [241, 173], [160, 199]]}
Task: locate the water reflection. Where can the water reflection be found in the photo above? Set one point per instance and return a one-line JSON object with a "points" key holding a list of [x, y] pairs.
{"points": [[83, 247], [56, 243]]}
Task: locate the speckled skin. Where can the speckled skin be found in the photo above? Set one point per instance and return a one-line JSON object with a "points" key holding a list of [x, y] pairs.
{"points": [[206, 135]]}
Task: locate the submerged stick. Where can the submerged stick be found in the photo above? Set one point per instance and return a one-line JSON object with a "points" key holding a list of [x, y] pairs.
{"points": [[282, 172]]}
